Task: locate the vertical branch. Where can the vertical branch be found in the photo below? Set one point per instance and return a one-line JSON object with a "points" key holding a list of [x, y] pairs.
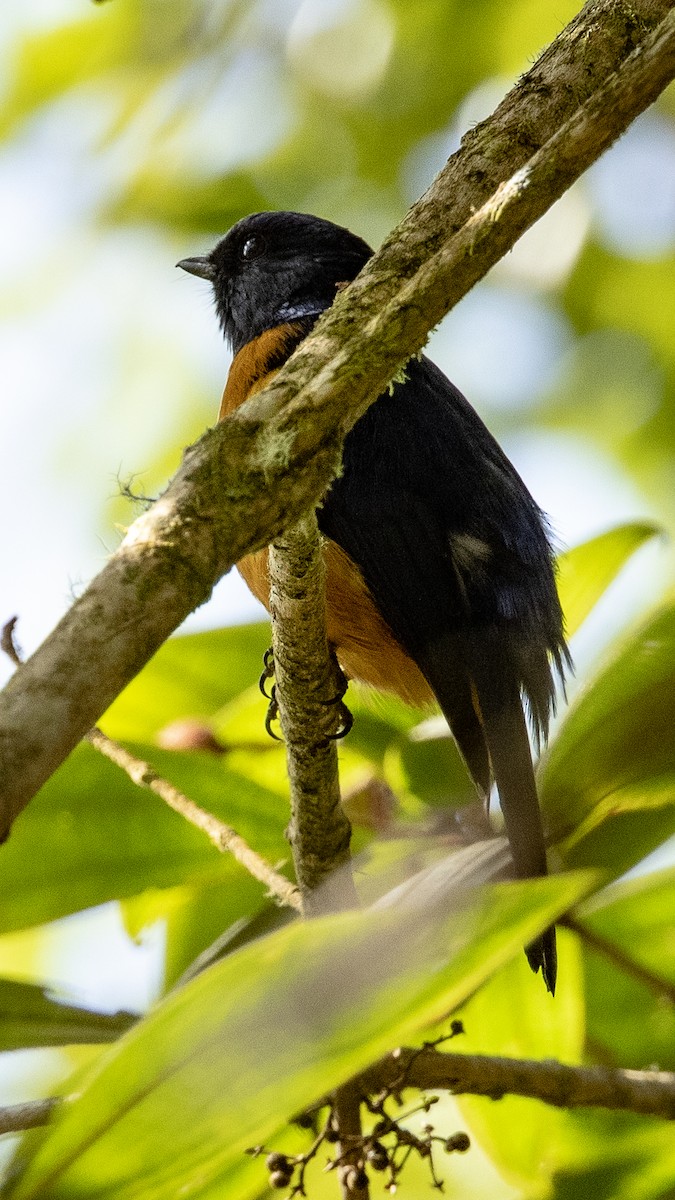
{"points": [[309, 685], [347, 1118]]}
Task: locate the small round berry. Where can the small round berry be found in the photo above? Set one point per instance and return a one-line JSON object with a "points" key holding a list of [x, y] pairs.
{"points": [[459, 1141], [304, 1120], [279, 1179], [355, 1179], [377, 1157], [277, 1162]]}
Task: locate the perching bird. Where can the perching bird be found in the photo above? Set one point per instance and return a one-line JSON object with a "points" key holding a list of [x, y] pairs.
{"points": [[440, 578]]}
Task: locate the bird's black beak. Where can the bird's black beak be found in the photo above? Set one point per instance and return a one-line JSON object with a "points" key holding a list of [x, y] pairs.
{"points": [[203, 267]]}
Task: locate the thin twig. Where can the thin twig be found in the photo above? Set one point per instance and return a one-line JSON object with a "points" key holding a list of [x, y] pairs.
{"points": [[250, 478], [14, 1118], [223, 837], [660, 987], [308, 687], [8, 643], [648, 1092]]}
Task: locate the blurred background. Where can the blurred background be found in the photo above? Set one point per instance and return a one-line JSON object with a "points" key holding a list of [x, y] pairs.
{"points": [[135, 132]]}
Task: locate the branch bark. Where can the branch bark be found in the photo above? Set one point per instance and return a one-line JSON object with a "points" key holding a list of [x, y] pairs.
{"points": [[308, 684], [250, 478], [648, 1093], [651, 1093], [347, 1117], [14, 1118]]}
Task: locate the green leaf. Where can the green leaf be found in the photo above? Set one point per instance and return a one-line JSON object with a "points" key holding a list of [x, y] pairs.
{"points": [[223, 1062], [637, 915], [616, 1156], [197, 918], [615, 754], [193, 675], [507, 1017], [586, 571], [50, 63], [91, 835], [429, 768], [629, 967], [32, 1017]]}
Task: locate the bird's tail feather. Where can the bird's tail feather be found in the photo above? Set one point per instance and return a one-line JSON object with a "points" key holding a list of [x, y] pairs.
{"points": [[505, 729], [480, 699]]}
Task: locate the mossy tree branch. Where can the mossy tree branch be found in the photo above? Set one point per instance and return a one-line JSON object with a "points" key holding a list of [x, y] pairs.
{"points": [[308, 687], [249, 479]]}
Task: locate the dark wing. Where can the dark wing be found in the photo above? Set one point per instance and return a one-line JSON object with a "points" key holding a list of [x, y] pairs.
{"points": [[448, 539], [456, 555]]}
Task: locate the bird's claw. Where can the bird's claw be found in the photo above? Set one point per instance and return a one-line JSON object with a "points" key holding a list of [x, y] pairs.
{"points": [[272, 712], [267, 673], [346, 720]]}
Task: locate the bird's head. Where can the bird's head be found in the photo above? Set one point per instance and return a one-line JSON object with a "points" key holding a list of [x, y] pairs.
{"points": [[274, 267]]}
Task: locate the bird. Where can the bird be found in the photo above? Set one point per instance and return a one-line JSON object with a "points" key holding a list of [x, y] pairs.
{"points": [[440, 568]]}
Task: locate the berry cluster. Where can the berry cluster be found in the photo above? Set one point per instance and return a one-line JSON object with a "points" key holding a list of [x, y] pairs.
{"points": [[386, 1148]]}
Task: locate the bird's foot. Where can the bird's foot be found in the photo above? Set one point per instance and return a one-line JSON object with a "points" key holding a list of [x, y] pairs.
{"points": [[272, 714], [346, 718], [267, 672], [273, 706]]}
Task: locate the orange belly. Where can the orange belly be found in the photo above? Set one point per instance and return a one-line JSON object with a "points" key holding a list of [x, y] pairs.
{"points": [[363, 642]]}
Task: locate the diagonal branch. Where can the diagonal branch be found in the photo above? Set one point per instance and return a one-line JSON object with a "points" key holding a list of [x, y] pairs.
{"points": [[14, 1118], [661, 988], [249, 479], [223, 837]]}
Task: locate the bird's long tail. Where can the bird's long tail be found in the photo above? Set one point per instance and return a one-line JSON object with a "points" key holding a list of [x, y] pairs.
{"points": [[486, 717], [506, 735]]}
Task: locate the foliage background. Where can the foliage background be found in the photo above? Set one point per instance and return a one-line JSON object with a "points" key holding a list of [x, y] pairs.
{"points": [[135, 132]]}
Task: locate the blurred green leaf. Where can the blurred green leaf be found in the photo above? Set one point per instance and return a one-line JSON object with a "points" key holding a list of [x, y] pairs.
{"points": [[429, 768], [30, 1016], [586, 571], [508, 1017], [617, 840], [637, 915], [615, 1036], [629, 958], [616, 1156], [194, 675], [91, 835], [601, 283], [52, 61], [222, 1063], [199, 207], [615, 754], [197, 917]]}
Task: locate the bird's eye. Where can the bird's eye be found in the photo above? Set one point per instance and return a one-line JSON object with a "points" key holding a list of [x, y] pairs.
{"points": [[253, 247]]}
